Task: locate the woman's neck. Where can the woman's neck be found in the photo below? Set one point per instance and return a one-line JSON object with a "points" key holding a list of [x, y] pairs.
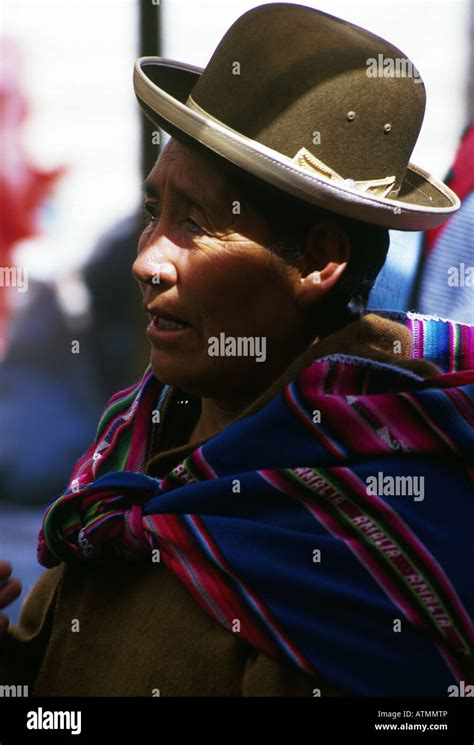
{"points": [[214, 416]]}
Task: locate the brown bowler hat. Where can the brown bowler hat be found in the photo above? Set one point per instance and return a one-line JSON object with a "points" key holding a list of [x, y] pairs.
{"points": [[316, 106]]}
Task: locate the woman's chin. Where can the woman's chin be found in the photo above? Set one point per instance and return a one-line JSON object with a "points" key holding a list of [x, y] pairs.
{"points": [[186, 375], [172, 368], [165, 369]]}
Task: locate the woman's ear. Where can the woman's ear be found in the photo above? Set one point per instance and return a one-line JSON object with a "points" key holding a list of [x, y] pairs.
{"points": [[327, 252]]}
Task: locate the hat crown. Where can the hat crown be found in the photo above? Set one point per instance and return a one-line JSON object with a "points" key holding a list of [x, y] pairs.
{"points": [[288, 77]]}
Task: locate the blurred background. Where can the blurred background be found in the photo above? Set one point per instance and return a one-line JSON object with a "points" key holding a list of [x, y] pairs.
{"points": [[74, 152]]}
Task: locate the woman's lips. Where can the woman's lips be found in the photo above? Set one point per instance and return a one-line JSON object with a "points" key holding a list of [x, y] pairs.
{"points": [[164, 328]]}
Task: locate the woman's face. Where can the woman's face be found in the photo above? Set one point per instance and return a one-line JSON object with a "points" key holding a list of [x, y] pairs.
{"points": [[202, 263]]}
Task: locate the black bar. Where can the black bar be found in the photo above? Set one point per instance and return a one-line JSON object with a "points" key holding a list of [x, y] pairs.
{"points": [[313, 720]]}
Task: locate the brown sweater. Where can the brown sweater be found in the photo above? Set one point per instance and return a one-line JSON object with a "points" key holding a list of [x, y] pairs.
{"points": [[129, 628]]}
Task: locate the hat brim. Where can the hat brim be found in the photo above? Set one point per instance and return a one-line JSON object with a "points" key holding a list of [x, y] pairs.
{"points": [[163, 87]]}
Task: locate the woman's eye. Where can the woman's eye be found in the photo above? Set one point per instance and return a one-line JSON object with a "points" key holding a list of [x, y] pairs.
{"points": [[150, 212], [193, 227]]}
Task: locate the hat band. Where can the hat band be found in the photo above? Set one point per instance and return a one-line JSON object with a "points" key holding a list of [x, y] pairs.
{"points": [[381, 187]]}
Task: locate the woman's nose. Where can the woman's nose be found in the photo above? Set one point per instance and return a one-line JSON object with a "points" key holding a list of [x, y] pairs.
{"points": [[153, 267]]}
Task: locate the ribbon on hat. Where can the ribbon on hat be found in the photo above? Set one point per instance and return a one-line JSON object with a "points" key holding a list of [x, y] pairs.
{"points": [[375, 187]]}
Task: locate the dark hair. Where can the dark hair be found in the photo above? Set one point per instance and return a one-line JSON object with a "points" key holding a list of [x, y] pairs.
{"points": [[290, 219]]}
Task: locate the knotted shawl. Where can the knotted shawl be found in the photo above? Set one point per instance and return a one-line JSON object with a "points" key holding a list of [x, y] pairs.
{"points": [[273, 529]]}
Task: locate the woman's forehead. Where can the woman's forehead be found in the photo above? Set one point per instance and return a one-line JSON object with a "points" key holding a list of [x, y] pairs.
{"points": [[194, 165], [192, 175]]}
